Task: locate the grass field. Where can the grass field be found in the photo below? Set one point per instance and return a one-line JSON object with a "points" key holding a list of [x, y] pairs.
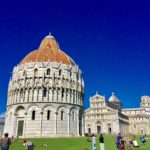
{"points": [[71, 144]]}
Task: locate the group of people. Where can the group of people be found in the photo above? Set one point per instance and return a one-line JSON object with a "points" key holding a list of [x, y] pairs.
{"points": [[6, 142], [126, 143], [101, 141], [122, 143]]}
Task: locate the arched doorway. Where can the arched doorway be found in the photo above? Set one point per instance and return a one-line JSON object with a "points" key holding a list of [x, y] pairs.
{"points": [[99, 127], [109, 128], [20, 113]]}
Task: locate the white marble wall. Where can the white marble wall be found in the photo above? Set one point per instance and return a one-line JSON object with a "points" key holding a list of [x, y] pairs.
{"points": [[31, 88]]}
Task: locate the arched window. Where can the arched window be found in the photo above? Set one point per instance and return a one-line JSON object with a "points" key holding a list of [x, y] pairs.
{"points": [[60, 72], [73, 116], [62, 115], [44, 92], [24, 73], [35, 72], [48, 71], [21, 93], [33, 115], [48, 115], [62, 94]]}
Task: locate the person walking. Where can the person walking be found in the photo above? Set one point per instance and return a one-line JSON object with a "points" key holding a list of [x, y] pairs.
{"points": [[101, 141], [94, 142], [118, 141], [5, 142]]}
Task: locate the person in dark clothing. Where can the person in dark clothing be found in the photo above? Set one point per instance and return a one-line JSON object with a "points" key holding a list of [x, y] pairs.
{"points": [[118, 141], [101, 141], [5, 142]]}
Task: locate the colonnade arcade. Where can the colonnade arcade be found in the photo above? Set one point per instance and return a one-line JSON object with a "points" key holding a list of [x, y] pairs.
{"points": [[25, 117]]}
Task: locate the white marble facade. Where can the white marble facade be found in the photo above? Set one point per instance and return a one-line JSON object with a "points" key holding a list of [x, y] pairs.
{"points": [[104, 117], [45, 99], [110, 118], [139, 118]]}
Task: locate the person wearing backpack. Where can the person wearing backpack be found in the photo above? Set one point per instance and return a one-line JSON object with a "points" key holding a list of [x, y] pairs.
{"points": [[101, 141], [5, 142]]}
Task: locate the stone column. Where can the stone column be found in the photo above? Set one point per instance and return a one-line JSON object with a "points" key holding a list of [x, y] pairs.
{"points": [[82, 125], [78, 97], [47, 94], [15, 99], [65, 98], [77, 124], [14, 133], [24, 129], [56, 113], [41, 122], [18, 96], [40, 96], [24, 91], [60, 98], [50, 95], [55, 95], [69, 100], [35, 95], [30, 95], [13, 96], [68, 123], [75, 97], [71, 96]]}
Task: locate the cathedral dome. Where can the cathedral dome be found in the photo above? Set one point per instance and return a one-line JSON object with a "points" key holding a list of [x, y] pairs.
{"points": [[48, 51], [114, 99]]}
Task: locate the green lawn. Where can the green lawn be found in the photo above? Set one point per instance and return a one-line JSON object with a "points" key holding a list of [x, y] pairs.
{"points": [[71, 144]]}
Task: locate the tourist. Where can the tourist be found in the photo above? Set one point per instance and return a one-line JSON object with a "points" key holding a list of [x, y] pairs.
{"points": [[122, 144], [142, 139], [101, 141], [5, 142], [94, 142], [30, 146], [24, 142], [135, 143], [128, 143], [118, 141]]}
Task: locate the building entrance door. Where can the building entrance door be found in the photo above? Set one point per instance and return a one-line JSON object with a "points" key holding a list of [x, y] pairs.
{"points": [[20, 127], [98, 129], [109, 130]]}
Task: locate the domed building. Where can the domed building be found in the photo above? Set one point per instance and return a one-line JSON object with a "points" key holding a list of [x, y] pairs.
{"points": [[45, 94], [105, 116], [114, 99]]}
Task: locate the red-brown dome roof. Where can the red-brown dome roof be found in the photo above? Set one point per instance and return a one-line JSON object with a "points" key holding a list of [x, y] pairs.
{"points": [[48, 52]]}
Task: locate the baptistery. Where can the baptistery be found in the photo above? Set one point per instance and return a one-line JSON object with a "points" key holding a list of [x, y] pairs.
{"points": [[45, 94]]}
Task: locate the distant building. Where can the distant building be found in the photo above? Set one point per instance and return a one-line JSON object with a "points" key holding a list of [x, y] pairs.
{"points": [[105, 116], [45, 94], [139, 118], [109, 117], [2, 123]]}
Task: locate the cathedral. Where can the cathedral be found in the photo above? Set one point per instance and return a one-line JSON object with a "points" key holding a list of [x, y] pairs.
{"points": [[108, 116], [45, 94], [46, 99]]}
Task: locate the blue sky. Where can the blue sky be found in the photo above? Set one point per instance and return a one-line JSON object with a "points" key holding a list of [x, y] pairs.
{"points": [[109, 40]]}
